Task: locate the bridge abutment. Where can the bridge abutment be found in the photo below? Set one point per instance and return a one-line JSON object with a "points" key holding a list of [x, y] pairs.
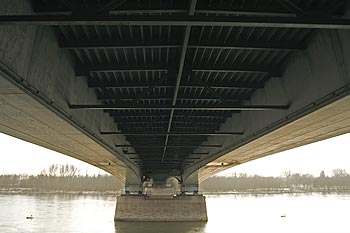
{"points": [[134, 208]]}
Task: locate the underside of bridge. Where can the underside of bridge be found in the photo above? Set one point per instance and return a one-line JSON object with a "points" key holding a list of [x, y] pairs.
{"points": [[148, 90]]}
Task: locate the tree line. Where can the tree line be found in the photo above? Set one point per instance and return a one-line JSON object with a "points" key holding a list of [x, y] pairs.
{"points": [[338, 181], [68, 178], [61, 177]]}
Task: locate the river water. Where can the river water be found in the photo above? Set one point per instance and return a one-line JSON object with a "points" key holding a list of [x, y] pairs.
{"points": [[226, 213]]}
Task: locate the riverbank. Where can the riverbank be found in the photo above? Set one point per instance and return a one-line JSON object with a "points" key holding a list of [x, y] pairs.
{"points": [[29, 191], [41, 191]]}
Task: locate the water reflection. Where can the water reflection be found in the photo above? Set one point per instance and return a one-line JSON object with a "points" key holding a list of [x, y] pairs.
{"points": [[150, 227], [57, 213]]}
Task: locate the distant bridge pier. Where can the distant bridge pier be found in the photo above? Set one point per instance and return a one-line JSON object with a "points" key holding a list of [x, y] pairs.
{"points": [[162, 201]]}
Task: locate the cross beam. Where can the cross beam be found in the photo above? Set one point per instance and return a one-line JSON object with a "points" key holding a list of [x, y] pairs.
{"points": [[130, 11], [85, 70], [112, 44], [247, 45], [125, 99], [177, 114], [173, 146], [165, 119], [174, 20], [178, 154], [174, 133], [271, 70], [219, 85], [179, 107]]}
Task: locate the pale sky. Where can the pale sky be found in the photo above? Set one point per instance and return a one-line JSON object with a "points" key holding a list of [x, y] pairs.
{"points": [[19, 157]]}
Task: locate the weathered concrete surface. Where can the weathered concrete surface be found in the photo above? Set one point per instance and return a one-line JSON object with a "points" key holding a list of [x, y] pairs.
{"points": [[313, 79], [330, 121], [37, 84], [23, 117], [179, 209]]}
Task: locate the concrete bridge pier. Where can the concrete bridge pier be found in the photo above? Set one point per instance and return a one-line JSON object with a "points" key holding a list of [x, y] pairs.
{"points": [[161, 202], [190, 184]]}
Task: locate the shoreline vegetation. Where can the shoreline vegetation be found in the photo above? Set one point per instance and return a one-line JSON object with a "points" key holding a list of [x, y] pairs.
{"points": [[65, 179], [19, 191]]}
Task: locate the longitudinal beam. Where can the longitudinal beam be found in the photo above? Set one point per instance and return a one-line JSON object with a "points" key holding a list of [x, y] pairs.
{"points": [[184, 49], [173, 20], [174, 133], [178, 107]]}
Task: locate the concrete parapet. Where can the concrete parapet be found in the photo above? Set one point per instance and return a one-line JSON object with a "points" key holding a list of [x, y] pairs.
{"points": [[140, 208]]}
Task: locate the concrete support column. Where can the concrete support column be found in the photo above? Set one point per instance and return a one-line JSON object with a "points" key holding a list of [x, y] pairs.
{"points": [[133, 182], [190, 184], [133, 188]]}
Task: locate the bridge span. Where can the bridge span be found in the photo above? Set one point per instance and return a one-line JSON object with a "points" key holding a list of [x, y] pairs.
{"points": [[149, 90]]}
